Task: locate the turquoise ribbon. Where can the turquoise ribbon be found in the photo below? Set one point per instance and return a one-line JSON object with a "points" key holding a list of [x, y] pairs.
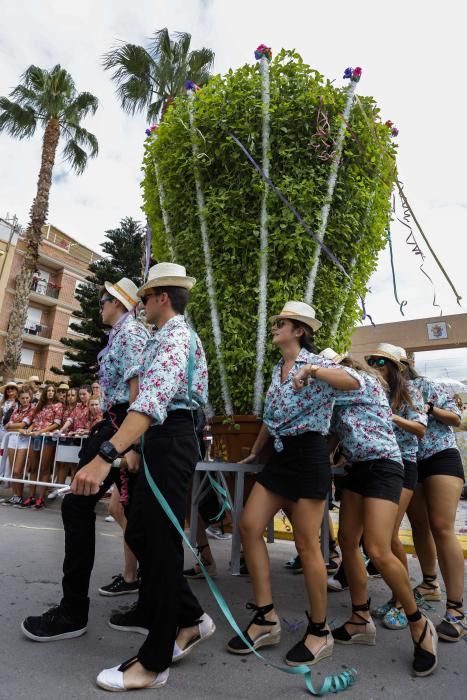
{"points": [[332, 684]]}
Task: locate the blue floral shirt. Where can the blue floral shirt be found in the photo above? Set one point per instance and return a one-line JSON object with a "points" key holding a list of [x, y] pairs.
{"points": [[438, 436], [290, 412], [408, 442], [120, 361], [362, 422], [163, 380]]}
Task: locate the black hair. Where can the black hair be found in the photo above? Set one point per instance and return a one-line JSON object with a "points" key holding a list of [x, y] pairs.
{"points": [[307, 338], [178, 297]]}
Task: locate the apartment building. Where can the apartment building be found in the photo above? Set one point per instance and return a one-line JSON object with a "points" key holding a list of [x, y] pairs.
{"points": [[62, 268]]}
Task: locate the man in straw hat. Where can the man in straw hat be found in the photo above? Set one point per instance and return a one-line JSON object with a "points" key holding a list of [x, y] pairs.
{"points": [[172, 384], [118, 369]]}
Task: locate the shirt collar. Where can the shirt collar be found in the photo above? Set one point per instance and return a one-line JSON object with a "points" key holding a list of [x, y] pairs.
{"points": [[173, 322]]}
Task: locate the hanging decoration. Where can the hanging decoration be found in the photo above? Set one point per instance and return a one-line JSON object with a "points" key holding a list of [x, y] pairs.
{"points": [[354, 74], [216, 328], [261, 55], [394, 285]]}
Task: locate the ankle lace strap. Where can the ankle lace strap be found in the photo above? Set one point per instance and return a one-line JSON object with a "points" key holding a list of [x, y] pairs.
{"points": [[362, 608], [316, 628], [429, 580], [261, 611], [457, 605]]}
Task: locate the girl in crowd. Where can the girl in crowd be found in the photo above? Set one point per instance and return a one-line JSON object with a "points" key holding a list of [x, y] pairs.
{"points": [[7, 405], [362, 422], [94, 413], [78, 420], [47, 418], [409, 424], [297, 478], [432, 511], [20, 419], [62, 468]]}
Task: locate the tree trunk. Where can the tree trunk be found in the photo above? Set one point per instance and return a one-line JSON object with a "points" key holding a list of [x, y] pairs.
{"points": [[38, 216]]}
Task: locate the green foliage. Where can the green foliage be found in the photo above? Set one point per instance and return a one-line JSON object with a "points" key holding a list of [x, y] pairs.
{"points": [[300, 166], [124, 249]]}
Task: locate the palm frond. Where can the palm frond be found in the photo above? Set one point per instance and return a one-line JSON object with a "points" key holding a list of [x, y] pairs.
{"points": [[75, 156], [154, 110], [24, 96], [131, 66], [16, 120], [83, 138], [83, 104], [200, 63], [35, 78], [161, 45]]}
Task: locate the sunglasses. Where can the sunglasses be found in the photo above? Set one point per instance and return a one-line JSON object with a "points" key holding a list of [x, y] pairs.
{"points": [[144, 298], [279, 323], [103, 300], [376, 361]]}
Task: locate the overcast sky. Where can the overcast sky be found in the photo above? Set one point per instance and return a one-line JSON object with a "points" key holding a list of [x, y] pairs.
{"points": [[413, 60]]}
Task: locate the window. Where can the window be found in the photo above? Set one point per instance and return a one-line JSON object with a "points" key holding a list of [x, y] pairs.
{"points": [[27, 356]]}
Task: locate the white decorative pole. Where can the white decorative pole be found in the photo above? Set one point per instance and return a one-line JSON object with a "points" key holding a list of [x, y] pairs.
{"points": [[216, 328], [263, 54], [354, 75], [152, 131]]}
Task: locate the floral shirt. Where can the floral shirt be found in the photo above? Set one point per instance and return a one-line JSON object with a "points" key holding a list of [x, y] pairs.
{"points": [[163, 381], [51, 413], [438, 436], [408, 442], [67, 412], [119, 362], [290, 412], [79, 417], [6, 406], [22, 415], [362, 422]]}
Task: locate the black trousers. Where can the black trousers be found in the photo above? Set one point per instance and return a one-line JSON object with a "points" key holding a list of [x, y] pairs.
{"points": [[79, 521], [165, 599]]}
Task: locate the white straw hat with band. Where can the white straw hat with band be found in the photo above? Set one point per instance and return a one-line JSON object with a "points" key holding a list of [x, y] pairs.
{"points": [[390, 352], [125, 291], [330, 354], [299, 311], [167, 275]]}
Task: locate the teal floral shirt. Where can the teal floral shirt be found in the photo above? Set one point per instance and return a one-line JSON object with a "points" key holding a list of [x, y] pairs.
{"points": [[163, 378], [362, 422], [290, 412], [438, 436], [408, 442]]}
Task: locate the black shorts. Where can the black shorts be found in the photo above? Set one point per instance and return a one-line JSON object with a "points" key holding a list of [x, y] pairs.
{"points": [[377, 478], [410, 475], [446, 463], [301, 470]]}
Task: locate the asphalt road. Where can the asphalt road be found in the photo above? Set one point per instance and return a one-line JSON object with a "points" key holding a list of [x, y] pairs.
{"points": [[31, 550]]}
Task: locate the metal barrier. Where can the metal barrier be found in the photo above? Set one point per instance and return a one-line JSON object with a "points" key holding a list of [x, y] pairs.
{"points": [[66, 450]]}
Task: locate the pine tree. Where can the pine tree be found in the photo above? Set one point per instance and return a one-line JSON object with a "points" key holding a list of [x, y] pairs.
{"points": [[124, 249]]}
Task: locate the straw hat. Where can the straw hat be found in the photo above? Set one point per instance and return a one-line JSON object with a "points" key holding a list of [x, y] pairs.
{"points": [[391, 352], [11, 384], [63, 387], [330, 354], [34, 378], [125, 291], [403, 358], [299, 311], [167, 275]]}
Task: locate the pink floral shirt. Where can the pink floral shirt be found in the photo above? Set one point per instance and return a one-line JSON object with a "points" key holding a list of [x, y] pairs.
{"points": [[290, 412], [163, 381], [51, 413], [22, 415], [79, 417]]}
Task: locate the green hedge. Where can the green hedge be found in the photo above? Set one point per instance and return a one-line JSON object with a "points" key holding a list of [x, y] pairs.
{"points": [[233, 191]]}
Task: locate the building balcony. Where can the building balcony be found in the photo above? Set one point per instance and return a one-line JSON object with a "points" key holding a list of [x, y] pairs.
{"points": [[23, 372], [47, 289], [36, 332]]}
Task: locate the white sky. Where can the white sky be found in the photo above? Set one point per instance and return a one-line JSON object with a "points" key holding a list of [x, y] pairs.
{"points": [[413, 60]]}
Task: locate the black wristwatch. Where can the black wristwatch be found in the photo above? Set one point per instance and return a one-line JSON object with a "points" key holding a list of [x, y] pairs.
{"points": [[431, 405], [108, 452]]}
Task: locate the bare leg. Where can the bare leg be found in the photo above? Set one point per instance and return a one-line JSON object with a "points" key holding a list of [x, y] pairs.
{"points": [[350, 533], [45, 468], [307, 515], [423, 540], [396, 544], [17, 462]]}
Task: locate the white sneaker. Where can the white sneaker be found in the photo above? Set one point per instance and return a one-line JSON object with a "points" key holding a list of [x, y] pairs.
{"points": [[206, 629], [112, 679], [109, 519], [215, 533]]}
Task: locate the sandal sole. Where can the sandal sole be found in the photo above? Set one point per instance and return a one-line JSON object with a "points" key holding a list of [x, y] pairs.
{"points": [[269, 642], [366, 639], [56, 637]]}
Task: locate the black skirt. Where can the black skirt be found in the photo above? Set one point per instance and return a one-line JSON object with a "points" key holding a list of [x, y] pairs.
{"points": [[301, 470]]}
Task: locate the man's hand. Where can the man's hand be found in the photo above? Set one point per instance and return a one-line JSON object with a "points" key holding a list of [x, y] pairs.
{"points": [[88, 480], [133, 460]]}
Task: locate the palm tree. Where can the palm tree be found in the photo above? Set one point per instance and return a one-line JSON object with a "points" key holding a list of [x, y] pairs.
{"points": [[48, 99], [149, 79]]}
